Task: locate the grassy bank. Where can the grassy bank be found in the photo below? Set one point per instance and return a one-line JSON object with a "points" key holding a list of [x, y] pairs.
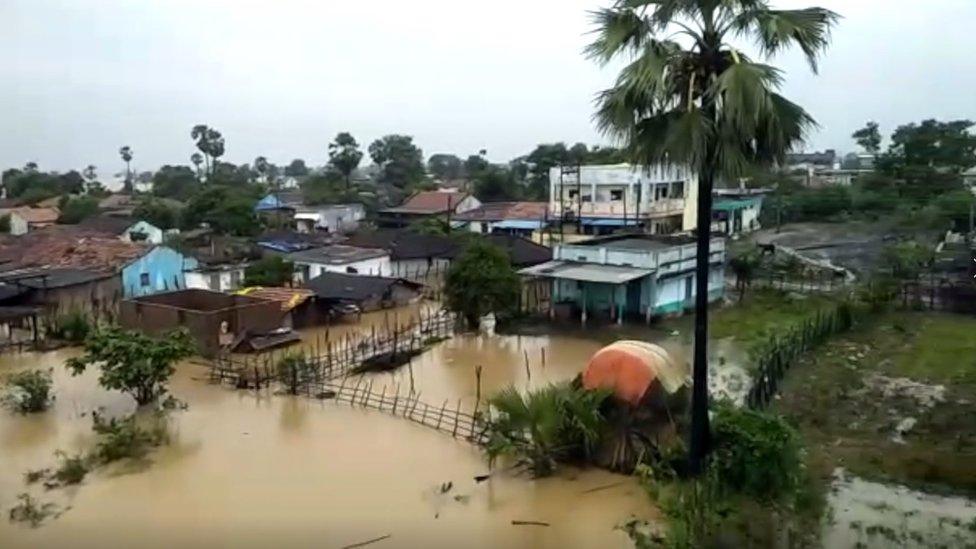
{"points": [[893, 400]]}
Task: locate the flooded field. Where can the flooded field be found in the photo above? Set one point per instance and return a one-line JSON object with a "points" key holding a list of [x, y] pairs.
{"points": [[248, 470]]}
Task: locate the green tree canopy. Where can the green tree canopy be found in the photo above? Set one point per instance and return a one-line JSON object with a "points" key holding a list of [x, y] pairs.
{"points": [[133, 362], [76, 209], [269, 271], [344, 156], [445, 166], [228, 210], [158, 213], [482, 281], [929, 158], [177, 182], [296, 168], [868, 137], [494, 184], [401, 161]]}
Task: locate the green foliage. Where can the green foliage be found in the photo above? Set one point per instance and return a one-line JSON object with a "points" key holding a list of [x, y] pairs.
{"points": [[401, 161], [542, 428], [868, 137], [482, 281], [744, 267], [76, 209], [31, 511], [32, 186], [158, 213], [344, 155], [72, 469], [906, 260], [296, 168], [928, 158], [72, 327], [133, 362], [294, 372], [328, 188], [210, 142], [433, 225], [695, 510], [878, 293], [269, 271], [228, 210], [445, 166], [756, 453], [28, 391], [493, 184], [126, 439], [177, 182]]}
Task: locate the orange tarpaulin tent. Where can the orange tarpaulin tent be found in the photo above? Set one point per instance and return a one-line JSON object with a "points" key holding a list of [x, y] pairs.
{"points": [[630, 368]]}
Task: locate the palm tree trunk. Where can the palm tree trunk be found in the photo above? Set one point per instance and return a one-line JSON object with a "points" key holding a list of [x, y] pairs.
{"points": [[700, 429]]}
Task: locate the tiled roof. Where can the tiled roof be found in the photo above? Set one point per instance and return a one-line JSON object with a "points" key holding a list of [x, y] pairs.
{"points": [[430, 202], [502, 211], [38, 215], [69, 247], [522, 252], [404, 244]]}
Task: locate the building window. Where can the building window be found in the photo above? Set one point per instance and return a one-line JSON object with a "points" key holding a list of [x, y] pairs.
{"points": [[660, 192], [573, 193], [144, 279], [678, 189], [616, 195], [235, 279], [215, 282], [352, 270], [587, 198]]}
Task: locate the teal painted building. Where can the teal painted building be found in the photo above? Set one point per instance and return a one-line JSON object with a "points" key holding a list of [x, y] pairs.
{"points": [[159, 270], [637, 276]]}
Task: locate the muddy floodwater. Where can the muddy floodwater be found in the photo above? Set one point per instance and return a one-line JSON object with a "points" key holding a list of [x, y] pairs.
{"points": [[262, 470]]}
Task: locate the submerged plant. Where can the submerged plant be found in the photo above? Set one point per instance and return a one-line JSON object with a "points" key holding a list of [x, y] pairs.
{"points": [[72, 470], [28, 391], [126, 439], [294, 371], [541, 428], [31, 511], [72, 326]]}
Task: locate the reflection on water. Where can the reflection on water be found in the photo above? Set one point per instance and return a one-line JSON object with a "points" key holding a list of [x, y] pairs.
{"points": [[259, 470]]}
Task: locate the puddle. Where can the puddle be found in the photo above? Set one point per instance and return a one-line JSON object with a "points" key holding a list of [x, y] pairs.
{"points": [[873, 515]]}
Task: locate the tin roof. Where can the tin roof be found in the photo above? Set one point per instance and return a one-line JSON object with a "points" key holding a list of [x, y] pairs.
{"points": [[586, 272]]}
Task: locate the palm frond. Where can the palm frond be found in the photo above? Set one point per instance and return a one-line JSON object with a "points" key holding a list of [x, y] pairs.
{"points": [[776, 30], [743, 93], [783, 126], [617, 31]]}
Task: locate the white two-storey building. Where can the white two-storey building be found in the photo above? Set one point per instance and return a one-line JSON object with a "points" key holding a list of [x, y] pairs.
{"points": [[660, 199]]}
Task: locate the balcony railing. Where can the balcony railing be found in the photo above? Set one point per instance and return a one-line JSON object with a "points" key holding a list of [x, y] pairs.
{"points": [[663, 207]]}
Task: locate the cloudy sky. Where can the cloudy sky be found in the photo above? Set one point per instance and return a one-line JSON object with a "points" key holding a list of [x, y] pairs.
{"points": [[280, 78]]}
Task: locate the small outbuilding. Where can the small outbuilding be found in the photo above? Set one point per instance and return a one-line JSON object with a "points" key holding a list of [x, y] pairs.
{"points": [[368, 293]]}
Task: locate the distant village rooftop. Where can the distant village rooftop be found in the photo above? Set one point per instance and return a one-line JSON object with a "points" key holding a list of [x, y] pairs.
{"points": [[336, 255]]}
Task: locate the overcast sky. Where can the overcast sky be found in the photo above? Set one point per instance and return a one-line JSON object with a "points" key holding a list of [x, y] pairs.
{"points": [[279, 78]]}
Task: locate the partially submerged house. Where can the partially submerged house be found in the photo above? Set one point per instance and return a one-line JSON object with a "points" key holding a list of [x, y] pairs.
{"points": [[445, 204], [515, 218], [339, 259], [300, 307], [368, 293], [27, 219], [629, 275], [215, 320]]}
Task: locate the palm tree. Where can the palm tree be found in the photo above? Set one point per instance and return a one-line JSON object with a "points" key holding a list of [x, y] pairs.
{"points": [[126, 153], [197, 159], [344, 156], [199, 134], [89, 173], [704, 104]]}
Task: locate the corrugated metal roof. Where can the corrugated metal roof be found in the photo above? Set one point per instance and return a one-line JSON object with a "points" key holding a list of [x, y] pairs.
{"points": [[587, 272]]}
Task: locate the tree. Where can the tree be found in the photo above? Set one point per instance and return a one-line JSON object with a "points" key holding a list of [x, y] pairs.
{"points": [[869, 138], [269, 271], [126, 153], [402, 163], [157, 212], [706, 106], [177, 182], [73, 182], [444, 166], [133, 362], [263, 167], [929, 158], [296, 168], [30, 167], [197, 159], [344, 156], [744, 267], [211, 144], [75, 210], [474, 165], [482, 281], [496, 184], [227, 209], [578, 154], [90, 173]]}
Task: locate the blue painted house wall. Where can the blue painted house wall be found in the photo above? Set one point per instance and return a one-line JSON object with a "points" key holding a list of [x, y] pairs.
{"points": [[163, 269]]}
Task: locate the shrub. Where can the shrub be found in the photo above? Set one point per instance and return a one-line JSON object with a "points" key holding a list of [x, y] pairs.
{"points": [[72, 469], [756, 453], [482, 281], [28, 391], [547, 426], [294, 371], [72, 326], [31, 511], [126, 439], [270, 271]]}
